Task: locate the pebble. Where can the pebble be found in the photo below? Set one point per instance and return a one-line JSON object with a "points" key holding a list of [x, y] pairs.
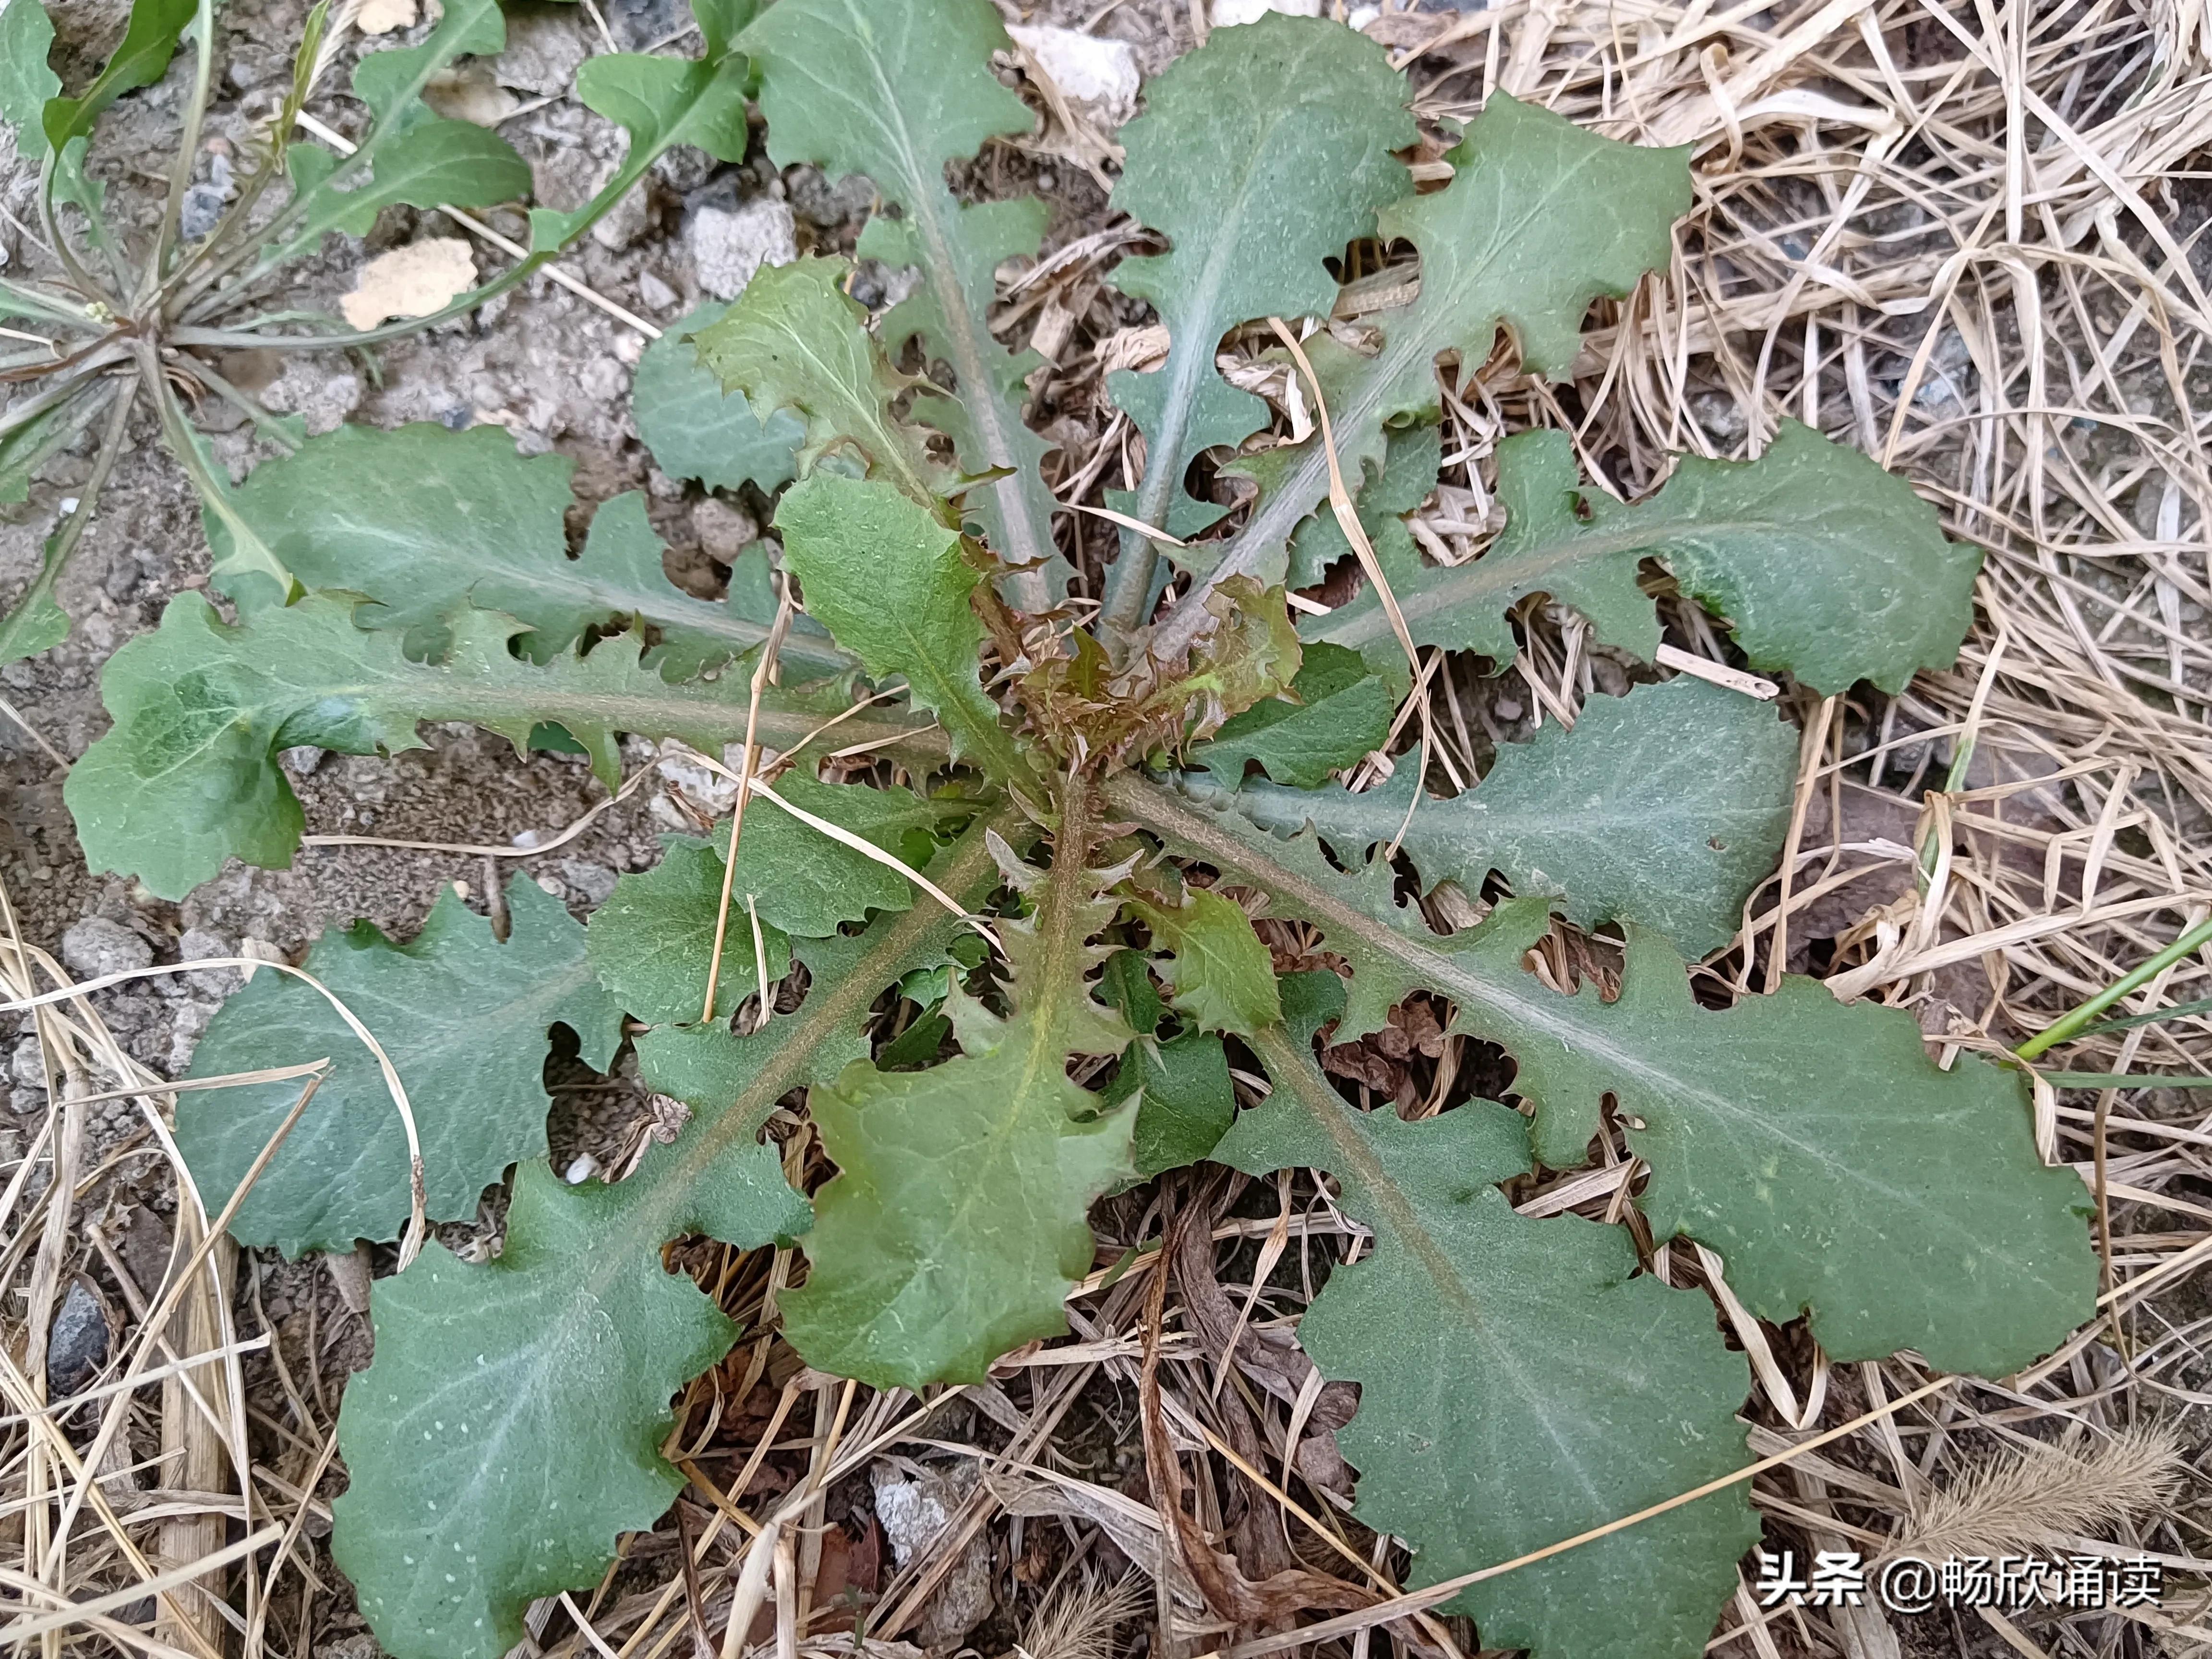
{"points": [[544, 51], [683, 167], [728, 245], [199, 944], [25, 1066], [594, 881], [320, 393], [637, 24], [1101, 75], [825, 204], [77, 1342], [96, 946], [724, 531], [201, 211]]}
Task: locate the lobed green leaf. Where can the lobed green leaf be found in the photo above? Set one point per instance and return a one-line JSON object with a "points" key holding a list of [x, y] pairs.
{"points": [[891, 582], [149, 41], [1814, 1145], [696, 430], [659, 102], [542, 1378], [1546, 1386], [410, 155], [1219, 974], [651, 942], [1342, 714], [795, 340], [511, 1423], [1296, 120], [188, 775], [26, 37], [1184, 1099], [463, 1020], [956, 1225], [1823, 565], [479, 524], [1605, 211], [1666, 807], [895, 89]]}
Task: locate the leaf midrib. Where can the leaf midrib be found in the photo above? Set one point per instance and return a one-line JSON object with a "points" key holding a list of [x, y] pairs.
{"points": [[1290, 1066], [926, 200], [655, 1218], [1453, 587], [1432, 319], [384, 702]]}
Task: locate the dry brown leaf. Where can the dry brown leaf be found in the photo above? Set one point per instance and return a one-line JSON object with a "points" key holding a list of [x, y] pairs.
{"points": [[1140, 348], [411, 281]]}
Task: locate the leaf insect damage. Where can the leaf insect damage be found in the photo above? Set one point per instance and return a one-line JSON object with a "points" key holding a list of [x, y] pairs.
{"points": [[1067, 771]]}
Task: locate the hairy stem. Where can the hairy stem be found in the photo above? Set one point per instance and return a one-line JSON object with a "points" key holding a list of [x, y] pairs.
{"points": [[249, 551]]}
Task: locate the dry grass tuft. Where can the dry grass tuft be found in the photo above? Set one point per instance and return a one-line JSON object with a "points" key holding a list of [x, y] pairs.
{"points": [[2043, 1499], [1078, 1620]]}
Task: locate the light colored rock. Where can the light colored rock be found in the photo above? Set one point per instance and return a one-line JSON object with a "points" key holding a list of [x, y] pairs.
{"points": [[189, 1026], [412, 281], [653, 294], [322, 392], [26, 1068], [545, 48], [728, 245], [198, 945], [625, 223], [724, 531], [202, 208], [470, 93], [382, 16], [1099, 75], [594, 881], [913, 1512], [603, 379], [96, 947], [1227, 14], [711, 791]]}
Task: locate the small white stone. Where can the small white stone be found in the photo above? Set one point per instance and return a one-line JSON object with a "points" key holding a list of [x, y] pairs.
{"points": [[96, 947], [724, 531], [727, 246], [197, 944], [1099, 74], [26, 1069], [1227, 14]]}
